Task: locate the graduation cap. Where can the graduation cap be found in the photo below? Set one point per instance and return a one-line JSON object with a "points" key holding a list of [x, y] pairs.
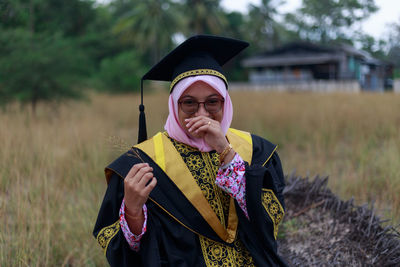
{"points": [[198, 55]]}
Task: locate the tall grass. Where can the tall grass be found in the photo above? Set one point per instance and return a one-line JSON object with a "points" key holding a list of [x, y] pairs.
{"points": [[51, 164], [353, 138]]}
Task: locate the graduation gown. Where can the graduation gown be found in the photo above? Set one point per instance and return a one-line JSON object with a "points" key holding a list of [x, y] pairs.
{"points": [[182, 227]]}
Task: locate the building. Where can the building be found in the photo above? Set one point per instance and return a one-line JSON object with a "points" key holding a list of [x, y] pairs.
{"points": [[301, 63]]}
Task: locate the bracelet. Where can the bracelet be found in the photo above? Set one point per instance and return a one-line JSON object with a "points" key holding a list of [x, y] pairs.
{"points": [[224, 153]]}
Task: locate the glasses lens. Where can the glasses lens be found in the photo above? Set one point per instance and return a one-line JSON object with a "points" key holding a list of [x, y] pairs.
{"points": [[213, 105], [189, 106]]}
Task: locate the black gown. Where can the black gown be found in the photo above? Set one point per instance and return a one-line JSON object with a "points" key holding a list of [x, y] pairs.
{"points": [[185, 226]]}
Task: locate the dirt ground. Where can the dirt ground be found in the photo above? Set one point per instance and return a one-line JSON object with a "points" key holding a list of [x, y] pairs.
{"points": [[321, 230]]}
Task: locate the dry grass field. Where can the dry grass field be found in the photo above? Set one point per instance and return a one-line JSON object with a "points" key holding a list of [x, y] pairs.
{"points": [[51, 164]]}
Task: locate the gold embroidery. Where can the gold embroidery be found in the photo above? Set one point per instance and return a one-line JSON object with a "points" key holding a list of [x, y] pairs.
{"points": [[195, 73], [183, 149], [204, 167], [193, 162], [106, 234], [178, 171], [273, 208], [217, 254], [218, 199]]}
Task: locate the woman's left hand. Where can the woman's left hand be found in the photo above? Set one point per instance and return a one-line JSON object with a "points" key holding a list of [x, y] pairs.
{"points": [[208, 129]]}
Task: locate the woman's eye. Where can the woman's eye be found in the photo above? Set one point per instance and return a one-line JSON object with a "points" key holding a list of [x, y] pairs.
{"points": [[188, 102], [212, 101]]}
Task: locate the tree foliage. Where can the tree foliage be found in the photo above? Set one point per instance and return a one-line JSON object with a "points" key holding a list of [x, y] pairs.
{"points": [[376, 47], [394, 45], [327, 20], [40, 59], [147, 26], [265, 31], [38, 67], [49, 47], [203, 17], [121, 73], [70, 17]]}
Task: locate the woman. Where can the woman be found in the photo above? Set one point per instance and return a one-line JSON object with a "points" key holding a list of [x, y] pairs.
{"points": [[199, 194]]}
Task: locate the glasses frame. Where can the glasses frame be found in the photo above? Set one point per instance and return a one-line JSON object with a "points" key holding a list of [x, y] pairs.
{"points": [[204, 104]]}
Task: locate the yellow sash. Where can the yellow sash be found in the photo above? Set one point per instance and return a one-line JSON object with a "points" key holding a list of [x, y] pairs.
{"points": [[163, 152]]}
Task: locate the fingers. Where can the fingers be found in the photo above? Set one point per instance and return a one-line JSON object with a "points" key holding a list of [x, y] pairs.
{"points": [[137, 172], [203, 128], [150, 186], [135, 168], [138, 184], [139, 176], [191, 121], [196, 123], [145, 179]]}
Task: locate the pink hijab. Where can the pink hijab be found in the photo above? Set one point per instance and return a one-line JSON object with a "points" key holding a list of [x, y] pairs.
{"points": [[173, 127]]}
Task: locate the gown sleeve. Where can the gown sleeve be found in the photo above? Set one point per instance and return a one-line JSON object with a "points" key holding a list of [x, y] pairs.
{"points": [[132, 239], [264, 195], [231, 179], [108, 231]]}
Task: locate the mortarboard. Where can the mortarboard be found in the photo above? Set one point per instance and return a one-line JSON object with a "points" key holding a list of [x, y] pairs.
{"points": [[198, 55]]}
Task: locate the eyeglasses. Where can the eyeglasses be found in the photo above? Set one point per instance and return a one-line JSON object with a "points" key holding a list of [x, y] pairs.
{"points": [[191, 106]]}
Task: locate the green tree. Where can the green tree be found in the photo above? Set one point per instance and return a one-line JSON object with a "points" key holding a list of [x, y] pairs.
{"points": [[328, 20], [265, 31], [71, 18], [235, 25], [394, 46], [119, 8], [203, 17], [13, 13], [98, 41], [148, 26], [236, 28], [376, 47], [39, 68], [121, 73]]}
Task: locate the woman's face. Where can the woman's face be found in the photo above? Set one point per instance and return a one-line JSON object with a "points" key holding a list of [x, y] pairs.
{"points": [[199, 92]]}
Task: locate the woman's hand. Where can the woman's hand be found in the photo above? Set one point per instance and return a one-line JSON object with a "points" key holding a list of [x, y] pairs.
{"points": [[208, 129], [138, 184]]}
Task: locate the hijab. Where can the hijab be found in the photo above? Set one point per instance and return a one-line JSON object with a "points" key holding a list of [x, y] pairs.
{"points": [[173, 127]]}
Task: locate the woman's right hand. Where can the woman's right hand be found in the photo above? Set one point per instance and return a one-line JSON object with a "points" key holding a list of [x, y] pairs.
{"points": [[138, 184]]}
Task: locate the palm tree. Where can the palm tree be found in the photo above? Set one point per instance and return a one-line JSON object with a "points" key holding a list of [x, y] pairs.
{"points": [[262, 28], [203, 17], [149, 26]]}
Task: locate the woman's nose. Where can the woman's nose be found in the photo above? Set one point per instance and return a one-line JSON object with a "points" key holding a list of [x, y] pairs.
{"points": [[202, 110]]}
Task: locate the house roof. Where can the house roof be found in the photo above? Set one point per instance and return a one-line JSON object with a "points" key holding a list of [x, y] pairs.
{"points": [[304, 53], [290, 59]]}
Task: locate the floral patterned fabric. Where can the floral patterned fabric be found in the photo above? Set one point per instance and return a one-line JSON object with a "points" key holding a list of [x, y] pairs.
{"points": [[230, 178], [132, 239]]}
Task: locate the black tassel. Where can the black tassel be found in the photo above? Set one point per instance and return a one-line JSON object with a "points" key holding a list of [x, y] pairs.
{"points": [[142, 135]]}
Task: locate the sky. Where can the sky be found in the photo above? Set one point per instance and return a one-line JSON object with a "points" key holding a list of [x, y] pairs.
{"points": [[375, 25]]}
